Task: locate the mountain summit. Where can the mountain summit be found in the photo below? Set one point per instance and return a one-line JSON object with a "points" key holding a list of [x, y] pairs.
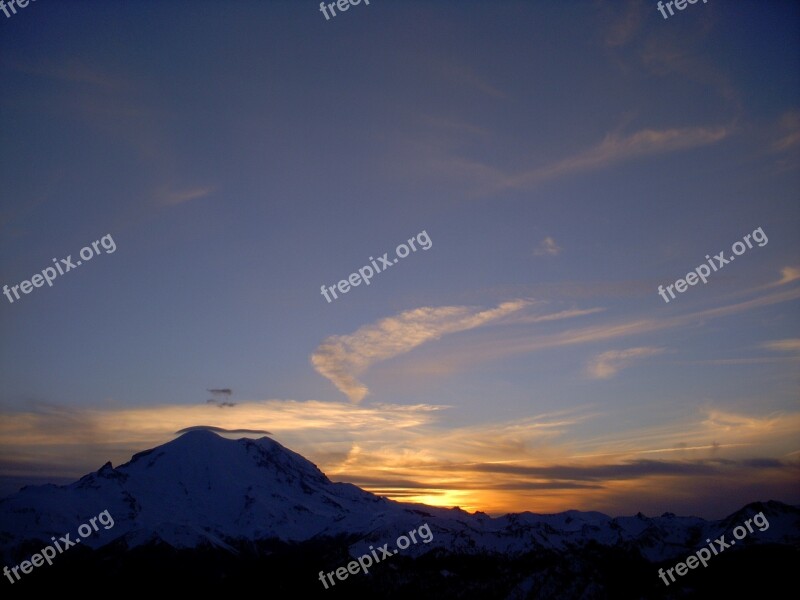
{"points": [[199, 488]]}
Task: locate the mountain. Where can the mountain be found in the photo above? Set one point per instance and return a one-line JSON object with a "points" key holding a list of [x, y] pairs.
{"points": [[244, 502], [199, 488]]}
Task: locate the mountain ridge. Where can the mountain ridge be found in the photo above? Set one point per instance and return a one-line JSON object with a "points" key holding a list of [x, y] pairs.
{"points": [[202, 489]]}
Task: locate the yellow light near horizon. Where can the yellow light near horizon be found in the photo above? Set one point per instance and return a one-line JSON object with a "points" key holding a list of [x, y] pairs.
{"points": [[440, 498], [496, 502]]}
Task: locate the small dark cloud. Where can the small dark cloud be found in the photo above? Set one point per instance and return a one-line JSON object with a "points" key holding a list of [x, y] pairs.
{"points": [[763, 463], [386, 483], [403, 494], [543, 485], [220, 397], [220, 430], [221, 391]]}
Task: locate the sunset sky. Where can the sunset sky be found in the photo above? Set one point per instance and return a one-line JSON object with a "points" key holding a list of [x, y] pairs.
{"points": [[565, 159]]}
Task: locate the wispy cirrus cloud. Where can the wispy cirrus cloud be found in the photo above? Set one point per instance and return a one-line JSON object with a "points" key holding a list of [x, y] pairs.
{"points": [[343, 358], [788, 274], [623, 23], [607, 364], [785, 345], [616, 148], [179, 196], [73, 72], [123, 107], [464, 75], [789, 132], [496, 345], [547, 247], [557, 316]]}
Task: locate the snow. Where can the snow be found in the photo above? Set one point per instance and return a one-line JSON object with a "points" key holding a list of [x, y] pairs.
{"points": [[202, 489]]}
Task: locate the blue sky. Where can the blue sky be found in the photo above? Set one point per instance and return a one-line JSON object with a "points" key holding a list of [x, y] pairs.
{"points": [[565, 160]]}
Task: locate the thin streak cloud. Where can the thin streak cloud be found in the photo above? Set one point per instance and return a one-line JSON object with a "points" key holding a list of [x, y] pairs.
{"points": [[504, 345], [617, 148], [787, 345], [607, 364], [343, 358]]}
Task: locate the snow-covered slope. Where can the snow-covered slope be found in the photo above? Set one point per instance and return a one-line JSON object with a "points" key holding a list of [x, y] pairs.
{"points": [[198, 487], [205, 489]]}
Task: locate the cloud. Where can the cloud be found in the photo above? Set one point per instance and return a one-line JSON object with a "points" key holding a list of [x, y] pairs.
{"points": [[788, 274], [747, 361], [617, 148], [224, 392], [622, 24], [342, 358], [786, 345], [685, 61], [500, 344], [74, 72], [173, 197], [221, 430], [608, 364], [127, 109], [442, 364], [547, 247], [448, 124], [463, 75], [789, 132], [711, 429], [634, 469], [557, 316], [534, 464]]}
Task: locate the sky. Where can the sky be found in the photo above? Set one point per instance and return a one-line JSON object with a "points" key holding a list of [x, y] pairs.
{"points": [[553, 164]]}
